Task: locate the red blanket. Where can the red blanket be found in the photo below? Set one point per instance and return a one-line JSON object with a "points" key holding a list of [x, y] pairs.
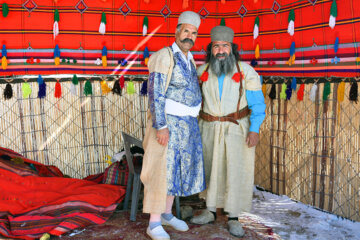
{"points": [[32, 204]]}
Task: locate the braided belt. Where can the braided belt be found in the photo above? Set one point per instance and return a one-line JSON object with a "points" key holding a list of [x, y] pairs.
{"points": [[232, 117]]}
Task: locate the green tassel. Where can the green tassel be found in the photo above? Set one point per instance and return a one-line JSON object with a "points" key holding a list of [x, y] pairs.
{"points": [[327, 90], [75, 80], [283, 91], [222, 22], [26, 90], [257, 21], [291, 15], [88, 88], [130, 88], [103, 18], [146, 21], [56, 16], [333, 10], [5, 9]]}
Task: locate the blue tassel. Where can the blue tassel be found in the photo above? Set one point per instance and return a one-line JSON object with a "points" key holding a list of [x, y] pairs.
{"points": [[143, 90], [42, 90], [4, 51], [253, 63], [56, 51], [146, 53], [293, 83], [40, 80], [123, 62], [288, 91], [104, 51], [336, 45], [292, 49]]}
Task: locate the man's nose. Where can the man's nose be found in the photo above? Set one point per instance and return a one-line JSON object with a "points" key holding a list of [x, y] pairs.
{"points": [[221, 49]]}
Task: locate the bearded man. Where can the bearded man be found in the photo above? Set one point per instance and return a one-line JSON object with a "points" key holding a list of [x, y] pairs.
{"points": [[173, 161], [233, 110]]}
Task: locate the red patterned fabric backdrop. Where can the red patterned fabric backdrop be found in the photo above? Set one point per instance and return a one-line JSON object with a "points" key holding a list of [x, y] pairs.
{"points": [[26, 34]]}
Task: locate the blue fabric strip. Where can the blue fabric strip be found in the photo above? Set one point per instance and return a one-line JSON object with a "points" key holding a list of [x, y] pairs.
{"points": [[221, 83], [257, 106]]}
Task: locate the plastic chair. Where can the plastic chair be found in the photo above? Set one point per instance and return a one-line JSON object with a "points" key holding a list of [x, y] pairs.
{"points": [[134, 179]]}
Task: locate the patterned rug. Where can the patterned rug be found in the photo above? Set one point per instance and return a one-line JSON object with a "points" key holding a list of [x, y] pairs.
{"points": [[119, 227]]}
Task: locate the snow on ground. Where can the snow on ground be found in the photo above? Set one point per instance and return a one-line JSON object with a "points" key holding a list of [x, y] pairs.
{"points": [[297, 221]]}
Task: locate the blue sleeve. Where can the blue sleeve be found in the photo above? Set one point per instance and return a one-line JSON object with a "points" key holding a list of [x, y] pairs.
{"points": [[257, 106], [156, 92]]}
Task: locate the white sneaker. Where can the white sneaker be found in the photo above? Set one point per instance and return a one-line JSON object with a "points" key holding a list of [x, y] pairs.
{"points": [[158, 233], [177, 224]]}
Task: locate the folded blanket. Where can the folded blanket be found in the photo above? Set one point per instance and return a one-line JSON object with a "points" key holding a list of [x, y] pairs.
{"points": [[31, 205]]}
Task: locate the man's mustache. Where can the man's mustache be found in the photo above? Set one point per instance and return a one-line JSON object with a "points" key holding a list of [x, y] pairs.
{"points": [[221, 55], [187, 40]]}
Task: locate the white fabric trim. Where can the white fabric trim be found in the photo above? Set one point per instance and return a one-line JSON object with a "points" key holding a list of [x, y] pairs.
{"points": [[179, 109]]}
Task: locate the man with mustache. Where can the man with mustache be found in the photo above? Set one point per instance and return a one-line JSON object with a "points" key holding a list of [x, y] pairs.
{"points": [[173, 161], [233, 110]]}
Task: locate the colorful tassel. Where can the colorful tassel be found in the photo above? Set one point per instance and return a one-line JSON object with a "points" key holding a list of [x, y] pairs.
{"points": [[116, 88], [42, 87], [4, 62], [146, 55], [336, 60], [272, 94], [341, 92], [333, 15], [237, 77], [26, 90], [102, 27], [292, 54], [130, 88], [143, 90], [256, 27], [104, 88], [74, 82], [253, 63], [57, 93], [205, 76], [291, 20], [88, 88], [257, 51], [145, 25], [57, 55], [104, 57], [327, 91], [263, 88], [122, 81], [5, 9], [288, 91], [353, 94], [300, 93], [312, 95], [283, 91], [293, 84], [56, 23], [222, 22], [8, 92], [185, 4]]}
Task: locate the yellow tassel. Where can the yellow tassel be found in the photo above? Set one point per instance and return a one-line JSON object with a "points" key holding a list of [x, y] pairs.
{"points": [[4, 63], [341, 92], [146, 61], [104, 61], [257, 51], [264, 90], [57, 61], [104, 87]]}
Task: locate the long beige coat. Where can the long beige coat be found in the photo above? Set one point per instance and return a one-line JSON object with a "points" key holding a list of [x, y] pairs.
{"points": [[229, 162]]}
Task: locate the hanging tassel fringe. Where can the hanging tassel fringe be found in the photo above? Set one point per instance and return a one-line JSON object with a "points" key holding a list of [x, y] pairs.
{"points": [[257, 51], [130, 88], [42, 90], [5, 9], [327, 91], [57, 92], [333, 15], [104, 88], [143, 90], [283, 91], [88, 88], [272, 94], [26, 90], [288, 91], [102, 27], [116, 88], [122, 81], [256, 27], [145, 25], [293, 84], [204, 77], [263, 88], [8, 92], [312, 95], [353, 94], [341, 92], [300, 93]]}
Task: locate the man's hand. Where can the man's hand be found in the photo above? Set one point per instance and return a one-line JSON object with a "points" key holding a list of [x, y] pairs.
{"points": [[162, 136], [252, 139]]}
